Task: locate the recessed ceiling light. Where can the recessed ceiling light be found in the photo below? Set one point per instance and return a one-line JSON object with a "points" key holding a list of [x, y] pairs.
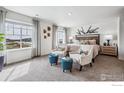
{"points": [[69, 13]]}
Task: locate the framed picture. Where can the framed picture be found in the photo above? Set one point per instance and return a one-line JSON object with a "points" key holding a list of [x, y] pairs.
{"points": [[48, 28], [45, 36], [44, 31], [48, 34]]}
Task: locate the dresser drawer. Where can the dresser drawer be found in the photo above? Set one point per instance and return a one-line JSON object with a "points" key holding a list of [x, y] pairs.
{"points": [[109, 50], [108, 53], [112, 48]]}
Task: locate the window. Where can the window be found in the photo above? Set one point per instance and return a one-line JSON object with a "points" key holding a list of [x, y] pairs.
{"points": [[60, 36], [18, 35]]}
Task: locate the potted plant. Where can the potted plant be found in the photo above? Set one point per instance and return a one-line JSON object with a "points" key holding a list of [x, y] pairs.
{"points": [[2, 41]]}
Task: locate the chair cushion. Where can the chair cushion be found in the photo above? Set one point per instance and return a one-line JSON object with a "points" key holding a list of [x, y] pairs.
{"points": [[75, 57]]}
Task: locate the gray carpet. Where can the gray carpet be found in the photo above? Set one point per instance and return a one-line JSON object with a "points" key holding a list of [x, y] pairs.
{"points": [[105, 68]]}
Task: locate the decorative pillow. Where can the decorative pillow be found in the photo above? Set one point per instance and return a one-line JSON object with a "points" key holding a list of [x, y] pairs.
{"points": [[81, 51], [92, 42], [86, 42], [85, 52], [82, 42]]}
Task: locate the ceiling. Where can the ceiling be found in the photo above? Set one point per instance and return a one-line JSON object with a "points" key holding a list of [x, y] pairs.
{"points": [[69, 16]]}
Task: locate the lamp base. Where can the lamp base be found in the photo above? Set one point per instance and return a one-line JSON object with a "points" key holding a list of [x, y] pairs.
{"points": [[108, 42]]}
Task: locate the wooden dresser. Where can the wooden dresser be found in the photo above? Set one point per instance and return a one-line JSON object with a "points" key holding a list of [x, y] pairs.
{"points": [[109, 50]]}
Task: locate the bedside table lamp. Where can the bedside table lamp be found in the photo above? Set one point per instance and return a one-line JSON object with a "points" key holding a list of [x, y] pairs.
{"points": [[108, 38], [71, 39]]}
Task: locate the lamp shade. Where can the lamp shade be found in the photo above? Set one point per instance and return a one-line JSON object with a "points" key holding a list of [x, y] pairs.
{"points": [[71, 37], [108, 37]]}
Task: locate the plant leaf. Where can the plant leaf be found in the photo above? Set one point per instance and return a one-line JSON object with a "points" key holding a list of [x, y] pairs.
{"points": [[2, 35]]}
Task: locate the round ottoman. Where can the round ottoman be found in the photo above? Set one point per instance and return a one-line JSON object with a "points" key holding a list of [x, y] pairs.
{"points": [[66, 63], [53, 58]]}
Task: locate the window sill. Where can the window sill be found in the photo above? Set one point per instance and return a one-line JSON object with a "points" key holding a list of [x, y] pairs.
{"points": [[19, 49]]}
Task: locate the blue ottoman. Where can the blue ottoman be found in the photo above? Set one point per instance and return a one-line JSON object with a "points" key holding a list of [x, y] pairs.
{"points": [[66, 63], [53, 58]]}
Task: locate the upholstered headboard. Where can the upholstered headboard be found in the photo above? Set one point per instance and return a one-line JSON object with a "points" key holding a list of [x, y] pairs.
{"points": [[89, 37]]}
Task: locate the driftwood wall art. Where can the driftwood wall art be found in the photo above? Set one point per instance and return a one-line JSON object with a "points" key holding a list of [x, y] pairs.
{"points": [[89, 30]]}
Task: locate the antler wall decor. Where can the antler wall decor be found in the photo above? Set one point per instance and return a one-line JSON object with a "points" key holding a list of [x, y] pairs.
{"points": [[89, 30]]}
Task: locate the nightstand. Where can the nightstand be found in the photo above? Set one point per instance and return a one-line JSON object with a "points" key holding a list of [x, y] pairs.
{"points": [[109, 50]]}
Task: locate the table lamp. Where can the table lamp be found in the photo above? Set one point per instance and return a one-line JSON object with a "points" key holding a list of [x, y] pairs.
{"points": [[108, 38]]}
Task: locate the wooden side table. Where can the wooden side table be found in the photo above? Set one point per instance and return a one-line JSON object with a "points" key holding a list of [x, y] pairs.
{"points": [[109, 50]]}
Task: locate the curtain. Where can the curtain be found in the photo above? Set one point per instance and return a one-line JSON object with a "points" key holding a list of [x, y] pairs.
{"points": [[2, 19], [36, 38], [66, 36], [54, 36]]}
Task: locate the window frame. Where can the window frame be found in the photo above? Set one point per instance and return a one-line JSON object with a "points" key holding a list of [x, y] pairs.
{"points": [[21, 35], [62, 31]]}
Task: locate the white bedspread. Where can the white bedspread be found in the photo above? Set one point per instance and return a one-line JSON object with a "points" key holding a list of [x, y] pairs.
{"points": [[96, 49]]}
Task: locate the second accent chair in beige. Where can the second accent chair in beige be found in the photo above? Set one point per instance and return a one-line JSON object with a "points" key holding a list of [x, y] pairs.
{"points": [[81, 58]]}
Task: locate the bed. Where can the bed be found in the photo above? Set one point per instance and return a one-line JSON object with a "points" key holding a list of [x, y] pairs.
{"points": [[85, 45], [95, 42]]}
